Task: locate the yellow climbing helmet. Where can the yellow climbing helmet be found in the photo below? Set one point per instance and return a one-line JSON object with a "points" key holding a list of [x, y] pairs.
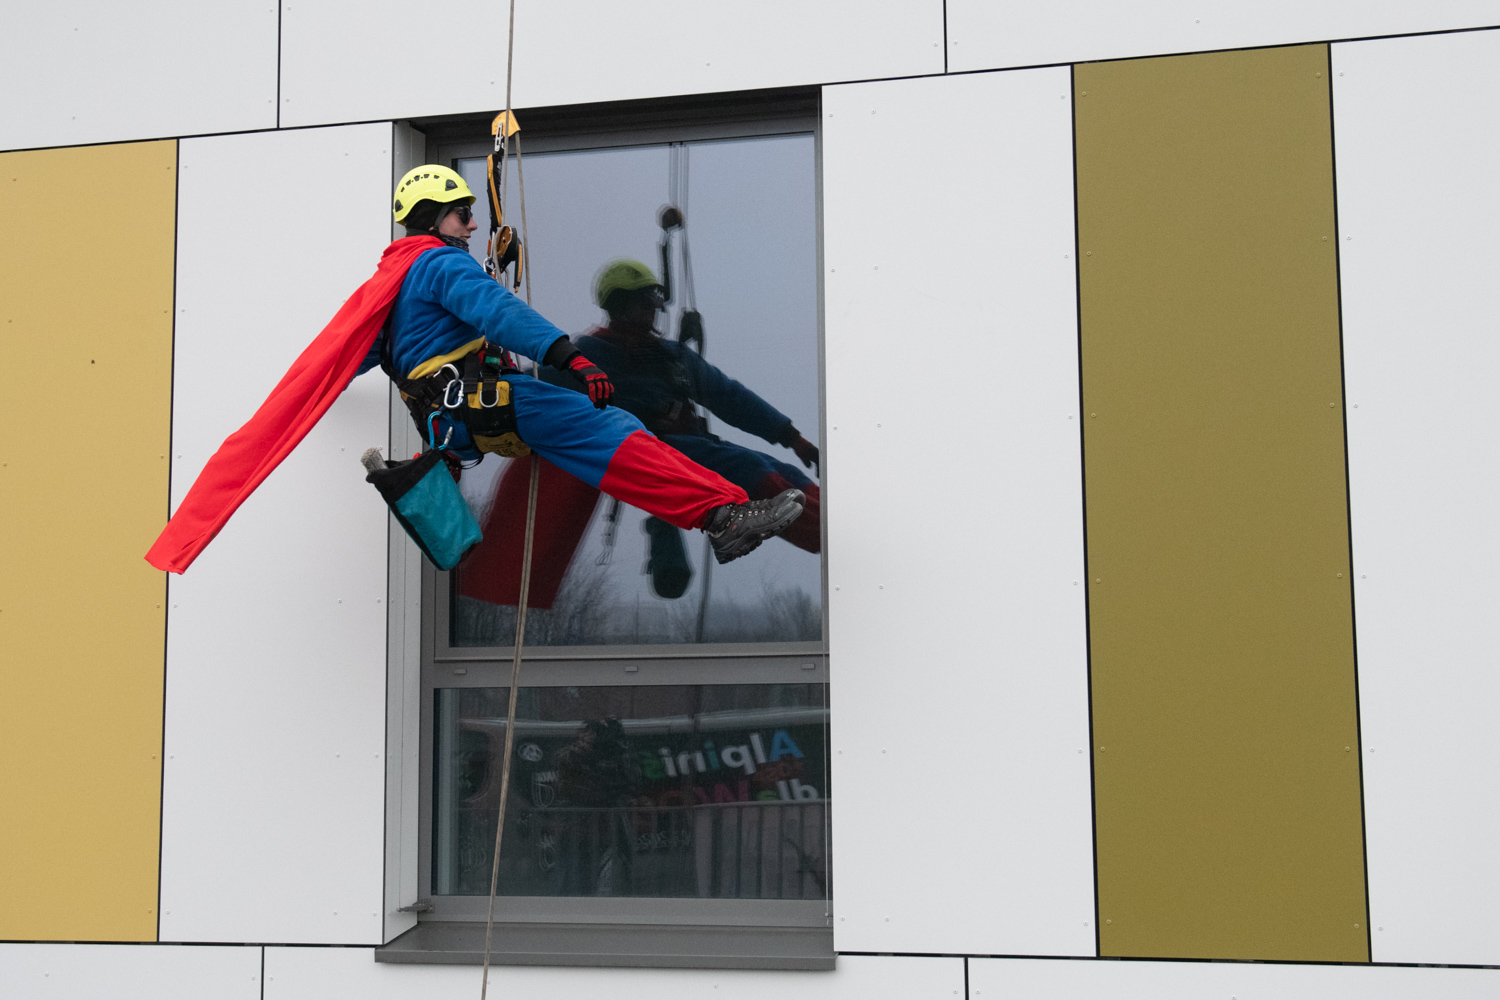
{"points": [[623, 275], [429, 182]]}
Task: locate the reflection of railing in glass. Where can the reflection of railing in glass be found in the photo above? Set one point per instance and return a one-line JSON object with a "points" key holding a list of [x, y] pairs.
{"points": [[726, 800], [724, 850]]}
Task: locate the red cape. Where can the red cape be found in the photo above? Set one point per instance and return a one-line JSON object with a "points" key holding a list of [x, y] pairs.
{"points": [[304, 394]]}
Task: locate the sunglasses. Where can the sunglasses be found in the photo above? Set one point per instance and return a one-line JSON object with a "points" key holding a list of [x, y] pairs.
{"points": [[464, 213]]}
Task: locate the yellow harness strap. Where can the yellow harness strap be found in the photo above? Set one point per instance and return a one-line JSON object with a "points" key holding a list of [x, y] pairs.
{"points": [[432, 365]]}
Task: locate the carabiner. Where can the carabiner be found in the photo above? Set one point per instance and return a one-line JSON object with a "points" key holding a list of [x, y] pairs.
{"points": [[451, 400], [432, 432], [489, 406]]}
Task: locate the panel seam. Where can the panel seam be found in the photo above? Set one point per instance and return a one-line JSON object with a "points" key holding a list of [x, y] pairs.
{"points": [[826, 83], [279, 7], [1338, 276], [1019, 956], [166, 583], [1088, 638], [945, 49]]}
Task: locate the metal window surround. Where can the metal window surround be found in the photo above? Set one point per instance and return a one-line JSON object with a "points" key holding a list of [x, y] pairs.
{"points": [[686, 946], [616, 932]]}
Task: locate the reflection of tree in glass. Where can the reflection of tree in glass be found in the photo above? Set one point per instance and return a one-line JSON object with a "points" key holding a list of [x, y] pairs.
{"points": [[586, 613]]}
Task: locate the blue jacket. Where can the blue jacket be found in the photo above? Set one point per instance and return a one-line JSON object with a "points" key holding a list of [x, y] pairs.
{"points": [[650, 378], [446, 301]]}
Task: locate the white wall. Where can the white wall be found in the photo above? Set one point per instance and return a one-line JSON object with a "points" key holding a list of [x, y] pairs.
{"points": [[273, 808], [397, 61], [84, 71], [88, 72], [1003, 979], [1416, 133], [93, 72], [955, 524], [352, 974], [984, 34], [128, 972]]}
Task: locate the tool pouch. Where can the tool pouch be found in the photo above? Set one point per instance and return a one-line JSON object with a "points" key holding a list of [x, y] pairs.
{"points": [[424, 498]]}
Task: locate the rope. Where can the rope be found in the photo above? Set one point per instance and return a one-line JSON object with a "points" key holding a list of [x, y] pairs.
{"points": [[531, 500], [525, 256], [677, 184], [510, 52], [510, 715]]}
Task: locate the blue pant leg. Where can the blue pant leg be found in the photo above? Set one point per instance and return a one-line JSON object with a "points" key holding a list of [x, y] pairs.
{"points": [[744, 467], [564, 428]]}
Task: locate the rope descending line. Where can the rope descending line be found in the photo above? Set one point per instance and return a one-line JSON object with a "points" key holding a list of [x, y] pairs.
{"points": [[531, 499]]}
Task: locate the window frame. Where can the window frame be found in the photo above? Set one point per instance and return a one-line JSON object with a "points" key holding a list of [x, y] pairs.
{"points": [[628, 124]]}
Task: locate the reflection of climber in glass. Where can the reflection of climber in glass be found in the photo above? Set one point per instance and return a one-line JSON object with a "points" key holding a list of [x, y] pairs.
{"points": [[659, 381]]}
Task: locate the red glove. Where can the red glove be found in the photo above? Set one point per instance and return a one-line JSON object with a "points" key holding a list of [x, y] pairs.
{"points": [[593, 377]]}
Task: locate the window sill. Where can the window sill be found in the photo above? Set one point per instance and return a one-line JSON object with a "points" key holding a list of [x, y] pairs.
{"points": [[653, 946]]}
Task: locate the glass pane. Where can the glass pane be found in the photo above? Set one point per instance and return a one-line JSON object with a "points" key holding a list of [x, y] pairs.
{"points": [[607, 574], [710, 791]]}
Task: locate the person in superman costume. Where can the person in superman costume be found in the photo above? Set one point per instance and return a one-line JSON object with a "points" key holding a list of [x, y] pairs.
{"points": [[436, 304]]}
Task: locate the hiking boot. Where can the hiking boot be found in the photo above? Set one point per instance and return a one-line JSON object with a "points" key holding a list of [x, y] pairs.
{"points": [[736, 529]]}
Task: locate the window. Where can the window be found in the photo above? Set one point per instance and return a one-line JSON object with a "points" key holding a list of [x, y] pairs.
{"points": [[671, 765], [751, 271], [704, 791]]}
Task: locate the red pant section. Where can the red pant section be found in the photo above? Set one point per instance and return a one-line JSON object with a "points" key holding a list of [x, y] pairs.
{"points": [[662, 481], [807, 531], [564, 505]]}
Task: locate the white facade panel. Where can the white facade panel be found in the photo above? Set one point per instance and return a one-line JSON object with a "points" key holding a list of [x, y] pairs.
{"points": [[983, 34], [1416, 134], [1004, 979], [80, 72], [955, 525], [353, 974], [273, 809], [337, 67], [128, 972]]}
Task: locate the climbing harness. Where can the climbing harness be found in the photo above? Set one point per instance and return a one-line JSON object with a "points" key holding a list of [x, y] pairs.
{"points": [[469, 389], [505, 126]]}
